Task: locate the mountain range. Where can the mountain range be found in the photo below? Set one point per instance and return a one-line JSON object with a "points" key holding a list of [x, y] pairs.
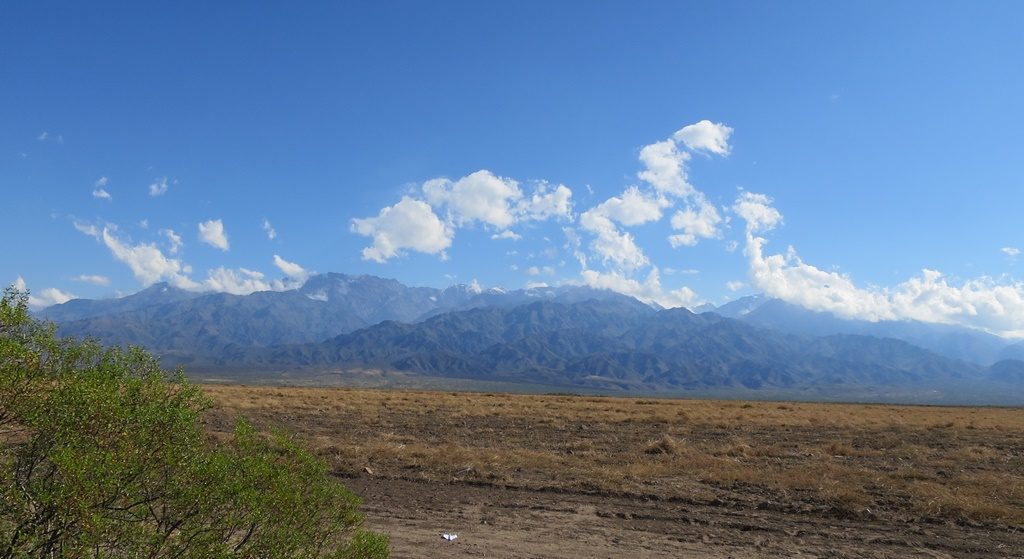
{"points": [[569, 336]]}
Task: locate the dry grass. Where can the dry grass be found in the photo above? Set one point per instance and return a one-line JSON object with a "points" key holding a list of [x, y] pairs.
{"points": [[903, 463]]}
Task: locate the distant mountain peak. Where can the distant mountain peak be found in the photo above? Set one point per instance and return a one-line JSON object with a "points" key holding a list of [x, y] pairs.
{"points": [[743, 306]]}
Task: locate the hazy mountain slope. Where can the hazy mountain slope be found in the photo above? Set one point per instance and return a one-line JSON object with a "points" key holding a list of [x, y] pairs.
{"points": [[167, 319], [616, 344], [570, 336], [1013, 351], [77, 309], [950, 341]]}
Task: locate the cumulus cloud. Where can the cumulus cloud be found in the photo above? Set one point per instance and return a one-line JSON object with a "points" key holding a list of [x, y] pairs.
{"points": [[158, 187], [481, 196], [982, 303], [147, 263], [45, 298], [705, 136], [734, 285], [410, 224], [757, 211], [665, 161], [613, 247], [536, 271], [173, 240], [665, 172], [236, 282], [499, 203], [95, 280], [212, 233], [631, 208], [1010, 251], [290, 269], [547, 203], [269, 229], [665, 168], [648, 290], [697, 221]]}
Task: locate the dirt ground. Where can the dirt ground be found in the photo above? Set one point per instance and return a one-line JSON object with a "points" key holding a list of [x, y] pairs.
{"points": [[499, 522], [573, 476]]}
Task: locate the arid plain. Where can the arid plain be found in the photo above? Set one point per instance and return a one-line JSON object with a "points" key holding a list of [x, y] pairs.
{"points": [[570, 476]]}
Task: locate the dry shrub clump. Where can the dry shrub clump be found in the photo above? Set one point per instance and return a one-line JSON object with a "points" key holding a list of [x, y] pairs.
{"points": [[665, 445]]}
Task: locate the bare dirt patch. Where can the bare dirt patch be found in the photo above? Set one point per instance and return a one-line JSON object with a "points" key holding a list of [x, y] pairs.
{"points": [[568, 476]]}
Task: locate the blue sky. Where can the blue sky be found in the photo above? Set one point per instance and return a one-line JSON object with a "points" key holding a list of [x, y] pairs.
{"points": [[884, 136]]}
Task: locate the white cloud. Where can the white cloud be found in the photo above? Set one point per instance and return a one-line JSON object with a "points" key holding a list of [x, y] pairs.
{"points": [[983, 303], [731, 246], [95, 280], [507, 234], [212, 233], [1010, 251], [536, 285], [158, 187], [101, 182], [536, 271], [148, 264], [696, 222], [269, 229], [705, 136], [631, 208], [734, 285], [43, 136], [236, 282], [546, 204], [648, 291], [686, 271], [173, 240], [101, 193], [409, 224], [45, 298], [757, 211], [615, 247], [665, 168], [480, 196], [87, 229], [291, 269]]}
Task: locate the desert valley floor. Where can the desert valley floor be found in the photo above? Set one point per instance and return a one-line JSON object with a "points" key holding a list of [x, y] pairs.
{"points": [[582, 476]]}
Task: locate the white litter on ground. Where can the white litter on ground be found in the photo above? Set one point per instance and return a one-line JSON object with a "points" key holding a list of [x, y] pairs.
{"points": [[449, 537]]}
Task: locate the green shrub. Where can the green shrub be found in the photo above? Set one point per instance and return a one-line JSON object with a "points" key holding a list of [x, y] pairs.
{"points": [[103, 455]]}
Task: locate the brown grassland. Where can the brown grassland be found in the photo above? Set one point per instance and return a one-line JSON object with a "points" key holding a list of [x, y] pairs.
{"points": [[653, 477]]}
